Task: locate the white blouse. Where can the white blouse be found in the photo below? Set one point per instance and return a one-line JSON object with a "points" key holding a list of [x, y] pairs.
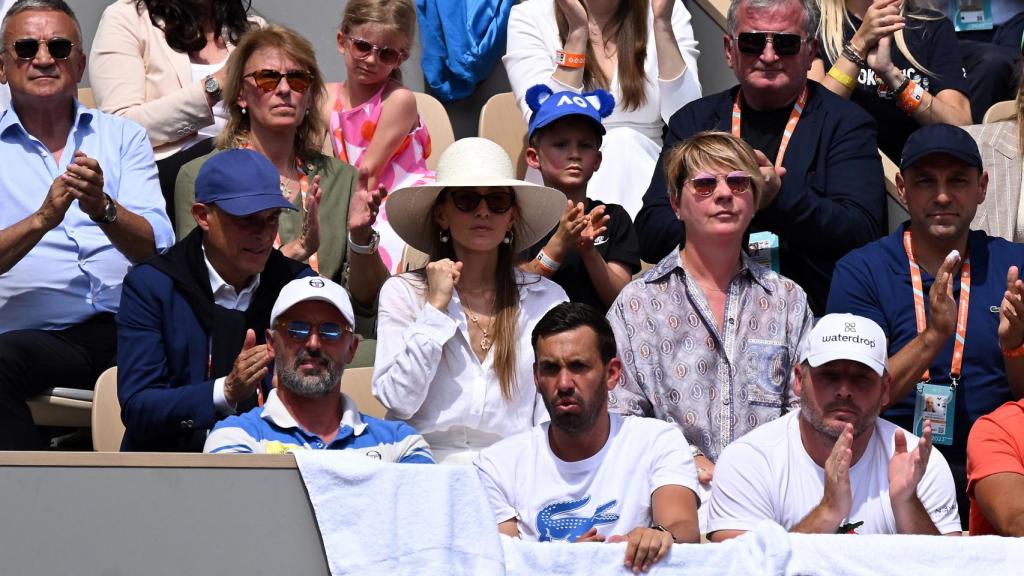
{"points": [[427, 374]]}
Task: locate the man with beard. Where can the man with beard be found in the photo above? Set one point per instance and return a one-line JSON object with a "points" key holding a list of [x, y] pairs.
{"points": [[834, 466], [587, 475], [310, 341]]}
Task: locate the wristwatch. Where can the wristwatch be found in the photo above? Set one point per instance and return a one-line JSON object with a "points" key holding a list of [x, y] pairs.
{"points": [[211, 86], [370, 248], [109, 212]]}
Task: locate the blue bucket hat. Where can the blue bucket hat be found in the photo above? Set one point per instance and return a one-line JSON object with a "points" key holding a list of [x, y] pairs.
{"points": [[940, 139], [548, 106], [240, 182]]}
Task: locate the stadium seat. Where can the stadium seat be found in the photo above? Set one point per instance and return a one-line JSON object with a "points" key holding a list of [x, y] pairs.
{"points": [[356, 384], [107, 428], [1000, 111], [502, 122]]}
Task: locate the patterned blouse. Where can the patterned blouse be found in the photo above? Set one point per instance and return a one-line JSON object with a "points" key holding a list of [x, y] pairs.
{"points": [[680, 368]]}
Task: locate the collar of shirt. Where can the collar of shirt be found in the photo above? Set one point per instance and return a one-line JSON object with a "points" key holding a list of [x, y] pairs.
{"points": [[224, 294], [977, 250], [275, 412], [748, 266], [9, 121]]}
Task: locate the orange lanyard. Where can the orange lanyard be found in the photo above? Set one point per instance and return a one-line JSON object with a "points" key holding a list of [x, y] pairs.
{"points": [[961, 314], [794, 117]]}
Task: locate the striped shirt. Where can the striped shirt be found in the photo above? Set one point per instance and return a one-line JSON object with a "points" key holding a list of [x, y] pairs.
{"points": [[271, 429]]}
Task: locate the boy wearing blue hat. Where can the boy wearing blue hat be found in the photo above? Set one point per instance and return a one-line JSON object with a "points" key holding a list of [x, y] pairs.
{"points": [[949, 298], [192, 321], [594, 251]]}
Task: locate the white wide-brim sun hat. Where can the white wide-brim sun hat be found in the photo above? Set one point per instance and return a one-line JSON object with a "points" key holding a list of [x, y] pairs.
{"points": [[474, 162]]}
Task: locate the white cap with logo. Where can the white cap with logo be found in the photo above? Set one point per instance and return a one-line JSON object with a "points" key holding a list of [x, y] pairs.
{"points": [[847, 337], [313, 288]]}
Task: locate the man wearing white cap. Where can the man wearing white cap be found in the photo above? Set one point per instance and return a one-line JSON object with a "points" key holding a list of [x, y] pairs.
{"points": [[834, 466], [311, 341]]}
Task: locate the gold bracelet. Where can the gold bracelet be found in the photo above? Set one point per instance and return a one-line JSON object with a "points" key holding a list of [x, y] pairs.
{"points": [[842, 77]]}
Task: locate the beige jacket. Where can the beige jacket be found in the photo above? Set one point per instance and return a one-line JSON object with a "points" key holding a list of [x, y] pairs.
{"points": [[135, 74], [1001, 213]]}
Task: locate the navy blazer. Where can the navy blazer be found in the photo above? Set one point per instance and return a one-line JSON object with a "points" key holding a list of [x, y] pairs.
{"points": [[831, 201], [165, 351]]}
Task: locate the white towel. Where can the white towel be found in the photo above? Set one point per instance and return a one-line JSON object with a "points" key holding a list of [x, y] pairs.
{"points": [[762, 551], [394, 519], [870, 555]]}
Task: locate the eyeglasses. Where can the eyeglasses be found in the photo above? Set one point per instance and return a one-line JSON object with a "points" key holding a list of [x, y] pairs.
{"points": [[361, 50], [704, 185], [467, 200], [300, 330], [27, 48], [268, 80], [784, 43]]}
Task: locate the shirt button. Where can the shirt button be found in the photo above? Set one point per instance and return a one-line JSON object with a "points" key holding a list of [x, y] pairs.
{"points": [[732, 321], [186, 424], [318, 444]]}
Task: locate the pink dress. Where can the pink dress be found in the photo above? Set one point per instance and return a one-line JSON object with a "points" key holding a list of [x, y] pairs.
{"points": [[351, 132]]}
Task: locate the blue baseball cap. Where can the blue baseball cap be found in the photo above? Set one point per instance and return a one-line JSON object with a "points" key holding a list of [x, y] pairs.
{"points": [[548, 106], [240, 182], [940, 139]]}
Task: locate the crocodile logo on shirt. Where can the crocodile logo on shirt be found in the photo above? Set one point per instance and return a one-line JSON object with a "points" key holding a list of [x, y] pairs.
{"points": [[554, 524]]}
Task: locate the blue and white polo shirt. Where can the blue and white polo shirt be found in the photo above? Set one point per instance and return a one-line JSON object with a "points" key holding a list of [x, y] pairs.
{"points": [[272, 430]]}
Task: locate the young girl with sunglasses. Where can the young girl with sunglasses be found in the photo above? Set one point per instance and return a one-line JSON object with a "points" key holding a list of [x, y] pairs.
{"points": [[454, 355], [900, 62], [373, 123]]}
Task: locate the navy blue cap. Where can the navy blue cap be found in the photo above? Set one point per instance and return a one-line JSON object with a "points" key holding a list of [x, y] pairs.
{"points": [[940, 139], [548, 107], [240, 182]]}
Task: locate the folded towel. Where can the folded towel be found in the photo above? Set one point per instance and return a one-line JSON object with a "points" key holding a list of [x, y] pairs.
{"points": [[381, 518]]}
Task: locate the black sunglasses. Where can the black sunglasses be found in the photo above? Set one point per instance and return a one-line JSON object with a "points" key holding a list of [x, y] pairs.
{"points": [[27, 48], [300, 330], [387, 56], [784, 43], [268, 80], [467, 200]]}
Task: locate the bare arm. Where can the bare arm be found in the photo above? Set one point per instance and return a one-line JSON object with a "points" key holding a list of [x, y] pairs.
{"points": [[675, 508], [367, 272], [670, 59], [509, 528], [826, 517], [905, 472], [398, 117], [576, 40], [1004, 512], [17, 240]]}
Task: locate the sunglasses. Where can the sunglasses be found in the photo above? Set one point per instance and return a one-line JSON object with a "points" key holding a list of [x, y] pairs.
{"points": [[704, 185], [300, 330], [27, 48], [268, 80], [361, 50], [784, 43], [498, 202]]}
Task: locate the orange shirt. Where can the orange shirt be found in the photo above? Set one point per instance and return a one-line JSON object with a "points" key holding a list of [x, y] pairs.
{"points": [[996, 445]]}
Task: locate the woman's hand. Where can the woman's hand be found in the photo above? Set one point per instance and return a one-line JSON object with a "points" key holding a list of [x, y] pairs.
{"points": [[442, 277], [880, 60], [575, 14], [881, 19], [363, 208], [309, 238]]}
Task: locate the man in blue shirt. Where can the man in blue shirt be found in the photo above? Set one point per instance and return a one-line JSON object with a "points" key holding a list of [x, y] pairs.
{"points": [[963, 334], [311, 340], [81, 204]]}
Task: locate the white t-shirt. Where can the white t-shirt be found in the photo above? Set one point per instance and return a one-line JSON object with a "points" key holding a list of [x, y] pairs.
{"points": [[556, 500], [768, 475]]}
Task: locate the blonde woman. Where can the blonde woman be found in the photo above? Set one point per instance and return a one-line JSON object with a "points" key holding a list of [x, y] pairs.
{"points": [[897, 60], [454, 357]]}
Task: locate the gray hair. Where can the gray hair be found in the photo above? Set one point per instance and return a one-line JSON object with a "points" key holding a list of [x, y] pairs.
{"points": [[811, 14], [42, 5]]}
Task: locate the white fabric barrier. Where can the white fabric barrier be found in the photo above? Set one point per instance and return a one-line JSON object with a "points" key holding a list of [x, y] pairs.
{"points": [[415, 519]]}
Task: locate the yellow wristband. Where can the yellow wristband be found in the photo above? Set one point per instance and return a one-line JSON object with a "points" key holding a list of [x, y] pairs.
{"points": [[842, 77]]}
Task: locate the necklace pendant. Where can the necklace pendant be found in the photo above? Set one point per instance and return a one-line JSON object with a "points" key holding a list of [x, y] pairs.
{"points": [[485, 344]]}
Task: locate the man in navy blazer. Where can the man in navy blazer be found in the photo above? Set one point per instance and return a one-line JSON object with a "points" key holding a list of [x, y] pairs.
{"points": [[827, 195], [192, 321]]}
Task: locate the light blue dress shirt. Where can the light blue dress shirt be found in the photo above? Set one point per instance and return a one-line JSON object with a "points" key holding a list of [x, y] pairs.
{"points": [[74, 272]]}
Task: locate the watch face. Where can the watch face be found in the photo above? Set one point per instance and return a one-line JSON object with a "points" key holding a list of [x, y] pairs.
{"points": [[212, 86]]}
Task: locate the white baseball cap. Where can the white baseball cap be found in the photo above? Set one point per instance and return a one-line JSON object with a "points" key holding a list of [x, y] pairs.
{"points": [[313, 288], [847, 337]]}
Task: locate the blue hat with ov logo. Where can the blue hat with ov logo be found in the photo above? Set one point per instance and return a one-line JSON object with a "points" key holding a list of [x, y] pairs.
{"points": [[549, 106]]}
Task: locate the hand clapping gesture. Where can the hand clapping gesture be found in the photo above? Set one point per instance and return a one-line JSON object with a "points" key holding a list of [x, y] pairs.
{"points": [[881, 20], [1011, 312], [907, 468], [596, 225]]}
